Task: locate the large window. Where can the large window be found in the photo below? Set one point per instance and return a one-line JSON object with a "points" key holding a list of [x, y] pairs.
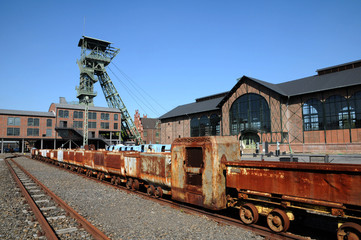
{"points": [[78, 114], [249, 112], [215, 125], [78, 124], [194, 127], [104, 116], [48, 132], [63, 113], [104, 125], [49, 122], [92, 115], [13, 121], [92, 124], [13, 131], [205, 126], [337, 113], [312, 115], [33, 132], [355, 104], [33, 122], [115, 117]]}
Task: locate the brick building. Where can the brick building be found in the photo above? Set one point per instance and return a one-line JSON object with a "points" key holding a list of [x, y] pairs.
{"points": [[317, 114], [149, 128], [61, 126]]}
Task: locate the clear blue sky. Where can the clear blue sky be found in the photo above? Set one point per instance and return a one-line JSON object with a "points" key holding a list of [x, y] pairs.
{"points": [[175, 50]]}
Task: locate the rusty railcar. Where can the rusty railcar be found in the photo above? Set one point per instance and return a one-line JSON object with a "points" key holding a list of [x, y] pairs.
{"points": [[279, 189], [208, 172], [197, 170], [155, 171]]}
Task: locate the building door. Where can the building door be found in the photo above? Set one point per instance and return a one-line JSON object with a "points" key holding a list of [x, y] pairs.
{"points": [[249, 140]]}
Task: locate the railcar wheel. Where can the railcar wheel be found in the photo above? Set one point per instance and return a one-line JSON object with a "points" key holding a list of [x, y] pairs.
{"points": [[129, 183], [278, 221], [158, 193], [112, 181], [135, 185], [349, 231], [150, 190], [117, 181], [248, 214]]}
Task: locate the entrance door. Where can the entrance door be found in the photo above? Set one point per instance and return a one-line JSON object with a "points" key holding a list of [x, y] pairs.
{"points": [[193, 166], [250, 139]]}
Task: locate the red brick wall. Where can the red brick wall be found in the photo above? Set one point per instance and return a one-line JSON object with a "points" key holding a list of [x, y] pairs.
{"points": [[24, 126]]}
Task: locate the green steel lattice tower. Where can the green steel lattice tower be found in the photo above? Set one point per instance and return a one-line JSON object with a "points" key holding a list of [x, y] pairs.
{"points": [[95, 57]]}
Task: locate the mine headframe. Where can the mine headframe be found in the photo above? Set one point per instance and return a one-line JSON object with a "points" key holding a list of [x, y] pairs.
{"points": [[95, 57]]}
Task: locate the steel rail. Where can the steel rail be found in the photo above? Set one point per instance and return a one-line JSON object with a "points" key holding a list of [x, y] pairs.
{"points": [[45, 226], [95, 232]]}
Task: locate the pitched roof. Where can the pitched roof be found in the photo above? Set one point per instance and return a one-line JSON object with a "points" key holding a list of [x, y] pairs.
{"points": [[191, 108], [317, 83], [343, 78], [149, 123], [26, 113]]}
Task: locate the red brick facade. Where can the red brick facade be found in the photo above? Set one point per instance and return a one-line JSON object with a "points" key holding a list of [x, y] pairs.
{"points": [[288, 126], [149, 128], [42, 129]]}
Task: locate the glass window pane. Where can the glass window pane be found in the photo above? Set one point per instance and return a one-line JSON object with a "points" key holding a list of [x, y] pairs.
{"points": [[10, 121]]}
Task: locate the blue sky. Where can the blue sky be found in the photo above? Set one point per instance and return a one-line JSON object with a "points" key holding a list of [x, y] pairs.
{"points": [[176, 51]]}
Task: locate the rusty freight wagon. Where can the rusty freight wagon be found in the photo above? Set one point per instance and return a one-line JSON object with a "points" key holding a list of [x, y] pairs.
{"points": [[208, 172], [282, 190]]}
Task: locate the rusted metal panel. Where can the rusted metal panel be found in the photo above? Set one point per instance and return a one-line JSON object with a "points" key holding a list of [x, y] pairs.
{"points": [[131, 164], [113, 162], [88, 159], [99, 160], [66, 156], [71, 154], [155, 168], [197, 169], [336, 183], [79, 158]]}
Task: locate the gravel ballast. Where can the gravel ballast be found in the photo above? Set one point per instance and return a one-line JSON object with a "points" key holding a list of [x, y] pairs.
{"points": [[122, 215], [15, 219]]}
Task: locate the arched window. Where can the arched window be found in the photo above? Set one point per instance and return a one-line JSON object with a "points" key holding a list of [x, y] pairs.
{"points": [[337, 113], [204, 126], [249, 112], [194, 127], [215, 129], [355, 104], [312, 115]]}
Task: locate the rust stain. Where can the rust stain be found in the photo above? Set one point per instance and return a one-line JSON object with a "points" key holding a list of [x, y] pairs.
{"points": [[334, 183]]}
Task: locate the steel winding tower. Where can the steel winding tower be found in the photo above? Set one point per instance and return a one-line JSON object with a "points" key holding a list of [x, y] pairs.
{"points": [[95, 57]]}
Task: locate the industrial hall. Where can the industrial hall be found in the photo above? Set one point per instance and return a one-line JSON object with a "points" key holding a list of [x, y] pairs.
{"points": [[316, 114]]}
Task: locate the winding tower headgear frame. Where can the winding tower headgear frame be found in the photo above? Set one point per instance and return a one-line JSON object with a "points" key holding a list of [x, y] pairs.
{"points": [[96, 55]]}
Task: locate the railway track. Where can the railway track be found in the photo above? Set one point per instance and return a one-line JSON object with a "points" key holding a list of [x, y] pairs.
{"points": [[56, 218], [222, 218]]}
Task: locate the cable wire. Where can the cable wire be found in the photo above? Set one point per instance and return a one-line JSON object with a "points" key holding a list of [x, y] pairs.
{"points": [[134, 96], [136, 86]]}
